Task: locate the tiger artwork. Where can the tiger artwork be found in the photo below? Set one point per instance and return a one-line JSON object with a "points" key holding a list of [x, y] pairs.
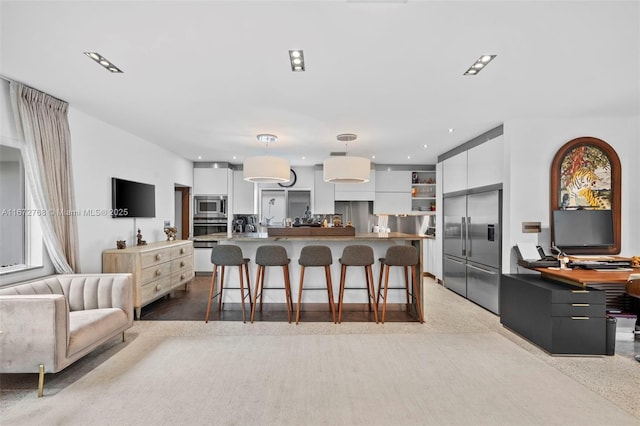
{"points": [[586, 178], [584, 190]]}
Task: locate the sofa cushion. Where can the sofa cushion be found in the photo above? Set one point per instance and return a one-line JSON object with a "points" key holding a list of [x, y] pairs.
{"points": [[84, 326]]}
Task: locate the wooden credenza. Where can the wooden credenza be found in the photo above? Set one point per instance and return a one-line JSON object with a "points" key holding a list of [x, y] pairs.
{"points": [[157, 268]]}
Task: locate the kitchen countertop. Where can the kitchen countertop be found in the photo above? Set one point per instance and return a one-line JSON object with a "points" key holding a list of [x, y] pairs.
{"points": [[262, 236]]}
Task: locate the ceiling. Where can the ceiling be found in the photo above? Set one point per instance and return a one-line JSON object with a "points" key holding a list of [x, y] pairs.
{"points": [[203, 78]]}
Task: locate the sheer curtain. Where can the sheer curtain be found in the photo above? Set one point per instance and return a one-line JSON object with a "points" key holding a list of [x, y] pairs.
{"points": [[42, 121]]}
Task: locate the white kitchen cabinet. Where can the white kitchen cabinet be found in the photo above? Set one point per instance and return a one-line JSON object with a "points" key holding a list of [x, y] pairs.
{"points": [[211, 181], [454, 170], [243, 196], [202, 259], [323, 194], [484, 163], [393, 181], [356, 191], [392, 203], [431, 258]]}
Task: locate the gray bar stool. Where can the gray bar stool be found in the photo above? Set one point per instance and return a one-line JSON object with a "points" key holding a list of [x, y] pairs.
{"points": [[316, 256], [358, 255], [403, 256], [228, 255], [271, 255]]}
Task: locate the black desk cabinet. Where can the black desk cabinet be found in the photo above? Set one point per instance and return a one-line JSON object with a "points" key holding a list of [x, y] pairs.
{"points": [[560, 318]]}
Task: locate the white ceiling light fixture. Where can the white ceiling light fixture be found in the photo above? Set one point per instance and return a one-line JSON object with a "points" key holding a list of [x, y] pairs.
{"points": [[345, 168], [480, 64], [265, 168], [104, 62], [296, 57]]}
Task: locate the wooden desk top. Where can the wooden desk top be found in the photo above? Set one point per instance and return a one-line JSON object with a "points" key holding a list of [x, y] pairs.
{"points": [[584, 277]]}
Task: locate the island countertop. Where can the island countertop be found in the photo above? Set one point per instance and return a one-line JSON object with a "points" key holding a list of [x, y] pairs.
{"points": [[262, 236]]}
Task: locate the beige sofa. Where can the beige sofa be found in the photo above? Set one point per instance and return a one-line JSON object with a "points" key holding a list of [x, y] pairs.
{"points": [[49, 323]]}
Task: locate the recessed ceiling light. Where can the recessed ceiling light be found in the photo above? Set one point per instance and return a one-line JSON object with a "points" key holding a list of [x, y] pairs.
{"points": [[451, 130], [199, 157], [408, 157], [479, 65], [304, 158], [234, 157], [426, 146], [103, 61], [373, 156], [296, 57]]}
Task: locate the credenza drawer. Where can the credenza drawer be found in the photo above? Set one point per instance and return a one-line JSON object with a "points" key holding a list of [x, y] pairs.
{"points": [[155, 272], [154, 257], [181, 277], [183, 250], [578, 309], [578, 335], [578, 295], [181, 264], [154, 288]]}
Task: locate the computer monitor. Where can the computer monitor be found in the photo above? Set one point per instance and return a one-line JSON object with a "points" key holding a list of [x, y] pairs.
{"points": [[582, 228]]}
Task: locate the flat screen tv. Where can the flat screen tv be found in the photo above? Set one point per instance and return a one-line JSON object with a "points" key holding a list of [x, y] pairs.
{"points": [[582, 228], [132, 199]]}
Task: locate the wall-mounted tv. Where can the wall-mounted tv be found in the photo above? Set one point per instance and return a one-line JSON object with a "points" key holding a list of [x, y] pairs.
{"points": [[132, 199], [582, 228]]}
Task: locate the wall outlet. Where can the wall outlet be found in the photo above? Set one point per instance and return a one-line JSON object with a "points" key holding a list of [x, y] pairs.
{"points": [[167, 223]]}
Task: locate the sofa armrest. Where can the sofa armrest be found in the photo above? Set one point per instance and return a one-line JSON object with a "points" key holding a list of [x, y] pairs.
{"points": [[95, 291], [33, 330]]}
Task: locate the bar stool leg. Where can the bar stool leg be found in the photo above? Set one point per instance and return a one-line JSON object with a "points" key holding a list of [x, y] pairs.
{"points": [[372, 291], [287, 291], [327, 272], [213, 283], [256, 291], [386, 287], [244, 319], [299, 295], [221, 287], [406, 284], [246, 272], [416, 293], [367, 270], [343, 274], [379, 283]]}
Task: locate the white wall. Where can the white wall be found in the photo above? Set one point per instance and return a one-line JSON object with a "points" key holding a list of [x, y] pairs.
{"points": [[101, 151], [530, 146]]}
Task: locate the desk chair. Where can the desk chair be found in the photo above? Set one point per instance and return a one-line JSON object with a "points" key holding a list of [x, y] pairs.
{"points": [[633, 290]]}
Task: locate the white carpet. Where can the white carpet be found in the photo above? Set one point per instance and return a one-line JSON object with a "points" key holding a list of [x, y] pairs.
{"points": [[314, 379]]}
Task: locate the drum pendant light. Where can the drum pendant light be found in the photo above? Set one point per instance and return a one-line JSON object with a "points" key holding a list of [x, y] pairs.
{"points": [[346, 169], [265, 168]]}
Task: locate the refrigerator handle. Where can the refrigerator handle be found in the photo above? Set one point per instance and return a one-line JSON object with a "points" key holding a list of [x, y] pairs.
{"points": [[463, 235], [468, 239]]}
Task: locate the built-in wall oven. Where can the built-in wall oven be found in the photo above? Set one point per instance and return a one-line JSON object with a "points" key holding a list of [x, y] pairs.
{"points": [[208, 226]]}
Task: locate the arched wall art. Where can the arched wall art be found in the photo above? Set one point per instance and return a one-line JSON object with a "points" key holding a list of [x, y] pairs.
{"points": [[585, 174]]}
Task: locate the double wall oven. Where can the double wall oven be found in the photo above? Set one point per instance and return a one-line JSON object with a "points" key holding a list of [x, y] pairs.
{"points": [[209, 216]]}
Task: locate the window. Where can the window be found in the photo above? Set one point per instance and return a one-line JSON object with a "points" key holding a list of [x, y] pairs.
{"points": [[20, 230], [12, 208]]}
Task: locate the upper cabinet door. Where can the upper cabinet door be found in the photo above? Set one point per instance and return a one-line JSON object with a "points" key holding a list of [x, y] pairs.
{"points": [[393, 181], [484, 163], [242, 194], [210, 181], [323, 194], [454, 171]]}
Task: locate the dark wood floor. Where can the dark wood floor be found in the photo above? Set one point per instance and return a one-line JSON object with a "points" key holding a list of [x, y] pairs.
{"points": [[191, 305]]}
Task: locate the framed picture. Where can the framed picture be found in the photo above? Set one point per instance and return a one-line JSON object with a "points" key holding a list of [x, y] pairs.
{"points": [[585, 174]]}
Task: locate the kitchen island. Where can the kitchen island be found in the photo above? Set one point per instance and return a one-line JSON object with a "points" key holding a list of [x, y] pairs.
{"points": [[314, 277]]}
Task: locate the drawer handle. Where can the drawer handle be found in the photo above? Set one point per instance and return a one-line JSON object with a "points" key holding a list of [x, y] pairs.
{"points": [[158, 256], [181, 251], [182, 277], [580, 304], [158, 272], [579, 318], [182, 264], [158, 287], [579, 291]]}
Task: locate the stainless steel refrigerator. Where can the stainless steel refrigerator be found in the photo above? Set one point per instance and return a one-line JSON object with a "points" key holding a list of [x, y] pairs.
{"points": [[472, 246]]}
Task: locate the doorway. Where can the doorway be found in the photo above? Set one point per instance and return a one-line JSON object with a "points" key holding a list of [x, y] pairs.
{"points": [[182, 211]]}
